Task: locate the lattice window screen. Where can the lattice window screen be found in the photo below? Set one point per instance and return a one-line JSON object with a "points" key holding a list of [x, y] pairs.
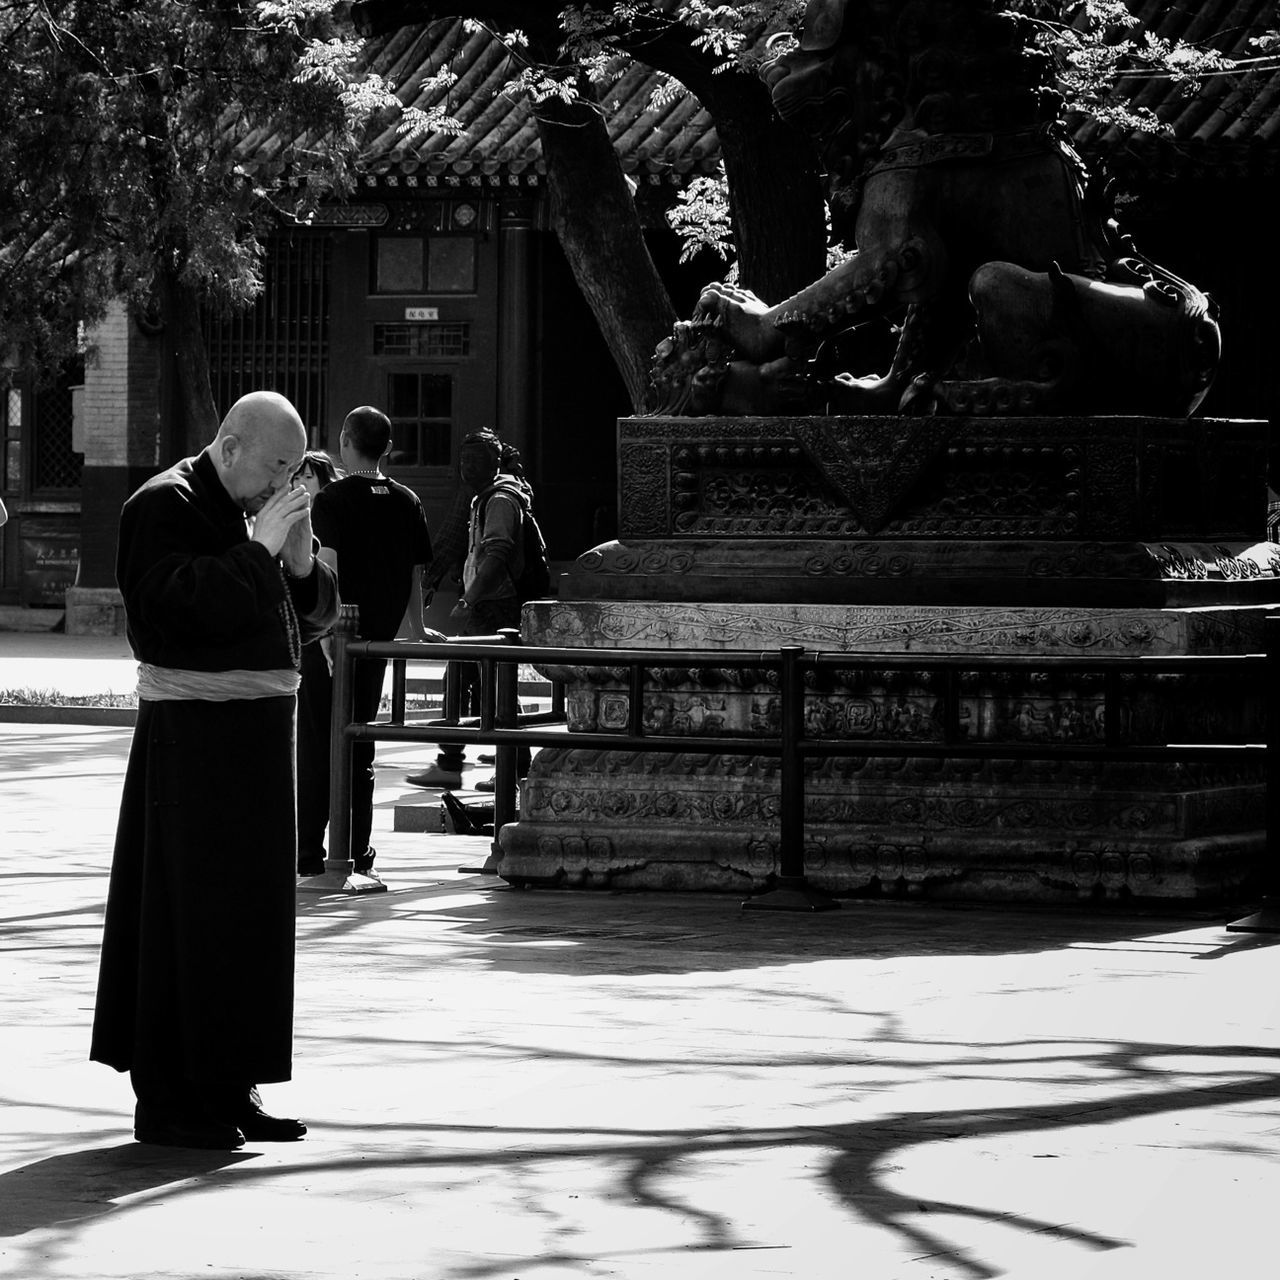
{"points": [[281, 343], [57, 465]]}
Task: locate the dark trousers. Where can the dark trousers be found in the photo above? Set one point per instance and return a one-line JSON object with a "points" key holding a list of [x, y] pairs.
{"points": [[315, 711], [466, 675], [484, 619]]}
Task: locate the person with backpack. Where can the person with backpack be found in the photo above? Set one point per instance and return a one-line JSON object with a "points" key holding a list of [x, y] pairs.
{"points": [[505, 565]]}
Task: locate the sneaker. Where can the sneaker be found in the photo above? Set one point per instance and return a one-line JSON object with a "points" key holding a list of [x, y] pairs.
{"points": [[487, 784], [435, 776], [364, 864]]}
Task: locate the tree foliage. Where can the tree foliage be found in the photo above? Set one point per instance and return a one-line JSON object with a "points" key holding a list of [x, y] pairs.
{"points": [[146, 148], [1098, 47]]}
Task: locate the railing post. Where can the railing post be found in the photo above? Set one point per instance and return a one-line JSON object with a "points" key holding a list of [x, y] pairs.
{"points": [[451, 699], [339, 868], [499, 709], [399, 689], [505, 780], [1267, 918], [790, 890]]}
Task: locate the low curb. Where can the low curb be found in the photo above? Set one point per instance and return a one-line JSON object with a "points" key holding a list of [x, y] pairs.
{"points": [[53, 713]]}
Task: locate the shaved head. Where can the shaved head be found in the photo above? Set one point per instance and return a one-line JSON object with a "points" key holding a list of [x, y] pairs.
{"points": [[258, 447]]}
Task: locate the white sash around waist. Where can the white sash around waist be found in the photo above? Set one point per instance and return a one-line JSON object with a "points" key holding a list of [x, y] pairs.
{"points": [[172, 684]]}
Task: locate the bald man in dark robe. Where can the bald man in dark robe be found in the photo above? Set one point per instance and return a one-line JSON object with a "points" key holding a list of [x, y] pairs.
{"points": [[221, 588]]}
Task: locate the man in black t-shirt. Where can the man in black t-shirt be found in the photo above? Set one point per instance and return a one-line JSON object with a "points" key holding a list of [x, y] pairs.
{"points": [[373, 531]]}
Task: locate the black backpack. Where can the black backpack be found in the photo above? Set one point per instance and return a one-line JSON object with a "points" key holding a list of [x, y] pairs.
{"points": [[534, 580]]}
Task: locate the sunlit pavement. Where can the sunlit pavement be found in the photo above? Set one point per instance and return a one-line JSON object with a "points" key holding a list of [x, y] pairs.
{"points": [[527, 1084]]}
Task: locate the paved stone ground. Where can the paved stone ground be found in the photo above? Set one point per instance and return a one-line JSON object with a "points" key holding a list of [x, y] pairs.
{"points": [[535, 1086]]}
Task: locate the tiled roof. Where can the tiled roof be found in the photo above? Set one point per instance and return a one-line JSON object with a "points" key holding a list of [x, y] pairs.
{"points": [[1232, 120], [1227, 122], [499, 132]]}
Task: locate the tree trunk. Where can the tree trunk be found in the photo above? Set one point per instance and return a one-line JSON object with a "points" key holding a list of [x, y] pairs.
{"points": [[775, 198], [775, 189], [193, 398], [594, 216]]}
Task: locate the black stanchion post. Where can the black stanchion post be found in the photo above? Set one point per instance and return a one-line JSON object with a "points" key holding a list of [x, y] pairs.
{"points": [[790, 890], [499, 690], [1267, 918], [339, 868], [399, 689], [451, 698], [505, 779]]}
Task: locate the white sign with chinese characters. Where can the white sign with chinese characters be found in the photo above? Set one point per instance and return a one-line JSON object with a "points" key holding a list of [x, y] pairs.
{"points": [[422, 313]]}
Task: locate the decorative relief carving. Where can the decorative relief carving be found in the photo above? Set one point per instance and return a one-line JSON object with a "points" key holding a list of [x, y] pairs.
{"points": [[863, 560], [1114, 869], [872, 472], [651, 561], [645, 501], [1006, 489], [707, 793], [1175, 562], [887, 863], [1093, 560], [1238, 568], [1110, 467], [557, 766], [1021, 478], [923, 629], [691, 713]]}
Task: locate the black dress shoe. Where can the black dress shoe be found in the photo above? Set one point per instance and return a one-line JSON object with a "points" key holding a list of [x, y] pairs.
{"points": [[187, 1131], [257, 1126]]}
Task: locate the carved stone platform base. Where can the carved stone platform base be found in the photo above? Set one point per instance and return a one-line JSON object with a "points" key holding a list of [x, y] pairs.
{"points": [[1026, 830]]}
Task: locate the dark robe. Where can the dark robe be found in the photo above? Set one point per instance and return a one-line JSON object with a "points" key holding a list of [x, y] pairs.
{"points": [[196, 976]]}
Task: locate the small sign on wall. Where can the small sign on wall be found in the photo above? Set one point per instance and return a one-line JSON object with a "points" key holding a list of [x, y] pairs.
{"points": [[50, 556], [422, 313]]}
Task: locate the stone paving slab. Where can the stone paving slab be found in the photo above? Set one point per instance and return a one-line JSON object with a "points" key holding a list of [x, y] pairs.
{"points": [[540, 1085]]}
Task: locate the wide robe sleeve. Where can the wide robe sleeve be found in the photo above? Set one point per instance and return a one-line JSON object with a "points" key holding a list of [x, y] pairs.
{"points": [[315, 600], [200, 595]]}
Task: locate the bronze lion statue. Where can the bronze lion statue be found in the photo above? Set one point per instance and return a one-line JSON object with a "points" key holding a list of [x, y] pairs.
{"points": [[987, 273]]}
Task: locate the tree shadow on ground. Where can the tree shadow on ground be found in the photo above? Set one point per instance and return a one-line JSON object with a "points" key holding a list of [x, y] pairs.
{"points": [[855, 1162]]}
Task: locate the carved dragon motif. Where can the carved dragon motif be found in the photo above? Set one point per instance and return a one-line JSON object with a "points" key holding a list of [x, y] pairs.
{"points": [[979, 243]]}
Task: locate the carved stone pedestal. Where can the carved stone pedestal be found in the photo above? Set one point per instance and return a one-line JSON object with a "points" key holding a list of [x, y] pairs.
{"points": [[1032, 830], [1123, 537]]}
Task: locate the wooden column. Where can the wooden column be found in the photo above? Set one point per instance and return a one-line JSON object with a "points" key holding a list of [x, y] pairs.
{"points": [[515, 326]]}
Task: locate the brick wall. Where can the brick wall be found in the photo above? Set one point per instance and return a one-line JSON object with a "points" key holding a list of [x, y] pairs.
{"points": [[122, 395], [121, 435]]}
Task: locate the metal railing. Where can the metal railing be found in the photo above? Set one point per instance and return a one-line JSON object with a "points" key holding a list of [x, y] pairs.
{"points": [[500, 724]]}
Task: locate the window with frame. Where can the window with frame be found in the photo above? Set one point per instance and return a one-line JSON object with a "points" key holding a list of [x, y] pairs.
{"points": [[11, 419], [420, 406], [56, 464], [428, 341], [425, 264]]}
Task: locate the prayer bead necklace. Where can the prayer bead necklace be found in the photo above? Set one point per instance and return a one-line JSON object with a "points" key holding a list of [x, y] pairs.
{"points": [[292, 631]]}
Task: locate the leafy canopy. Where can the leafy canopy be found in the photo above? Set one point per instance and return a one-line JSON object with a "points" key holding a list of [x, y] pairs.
{"points": [[160, 140]]}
